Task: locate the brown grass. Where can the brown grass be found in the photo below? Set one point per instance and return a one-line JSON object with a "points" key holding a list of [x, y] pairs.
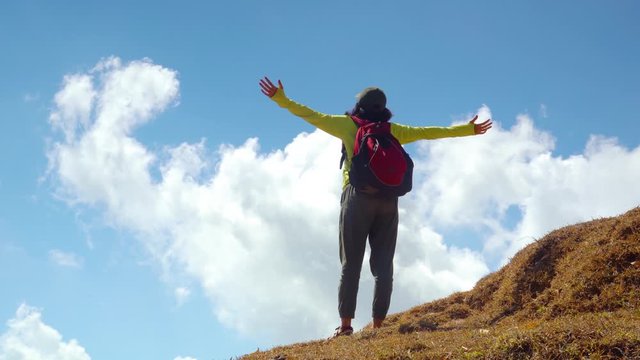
{"points": [[574, 294]]}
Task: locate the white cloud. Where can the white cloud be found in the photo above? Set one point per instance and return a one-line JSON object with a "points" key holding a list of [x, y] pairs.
{"points": [[29, 338], [65, 259], [516, 168], [258, 231], [73, 104]]}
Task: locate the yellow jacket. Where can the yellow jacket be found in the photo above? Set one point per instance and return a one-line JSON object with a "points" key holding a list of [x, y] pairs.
{"points": [[342, 127]]}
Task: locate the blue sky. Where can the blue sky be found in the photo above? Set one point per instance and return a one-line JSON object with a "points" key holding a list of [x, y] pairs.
{"points": [[559, 79]]}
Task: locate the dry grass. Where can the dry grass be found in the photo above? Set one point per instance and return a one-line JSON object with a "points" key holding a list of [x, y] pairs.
{"points": [[574, 294]]}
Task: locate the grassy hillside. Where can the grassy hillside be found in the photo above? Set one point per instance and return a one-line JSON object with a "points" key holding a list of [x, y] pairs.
{"points": [[573, 294]]}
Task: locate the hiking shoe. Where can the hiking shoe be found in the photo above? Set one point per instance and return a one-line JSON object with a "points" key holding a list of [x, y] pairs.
{"points": [[343, 331]]}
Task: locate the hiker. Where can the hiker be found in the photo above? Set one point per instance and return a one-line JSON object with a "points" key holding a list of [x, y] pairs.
{"points": [[366, 211]]}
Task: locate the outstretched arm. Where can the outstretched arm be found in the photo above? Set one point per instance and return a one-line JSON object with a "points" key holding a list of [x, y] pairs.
{"points": [[336, 125], [406, 134]]}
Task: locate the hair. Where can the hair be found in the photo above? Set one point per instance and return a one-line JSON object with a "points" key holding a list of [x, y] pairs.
{"points": [[375, 116]]}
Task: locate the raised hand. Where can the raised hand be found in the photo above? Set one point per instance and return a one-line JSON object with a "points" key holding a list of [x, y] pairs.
{"points": [[268, 88], [482, 127]]}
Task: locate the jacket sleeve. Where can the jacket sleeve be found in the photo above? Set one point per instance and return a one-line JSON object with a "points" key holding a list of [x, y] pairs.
{"points": [[406, 134], [339, 126]]}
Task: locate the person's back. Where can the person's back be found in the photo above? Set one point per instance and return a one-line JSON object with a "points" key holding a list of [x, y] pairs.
{"points": [[379, 161]]}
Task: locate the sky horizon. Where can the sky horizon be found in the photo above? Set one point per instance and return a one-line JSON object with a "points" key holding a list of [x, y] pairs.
{"points": [[156, 205]]}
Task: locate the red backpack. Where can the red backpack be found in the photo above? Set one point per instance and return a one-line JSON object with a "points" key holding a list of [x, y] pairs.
{"points": [[379, 160]]}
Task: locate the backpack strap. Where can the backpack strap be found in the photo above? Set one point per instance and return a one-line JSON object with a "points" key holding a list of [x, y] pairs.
{"points": [[359, 122]]}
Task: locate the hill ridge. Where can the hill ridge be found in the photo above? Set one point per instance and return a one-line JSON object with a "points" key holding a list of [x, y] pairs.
{"points": [[574, 293]]}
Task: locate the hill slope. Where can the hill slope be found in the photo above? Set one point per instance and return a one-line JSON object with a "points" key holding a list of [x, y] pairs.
{"points": [[573, 294]]}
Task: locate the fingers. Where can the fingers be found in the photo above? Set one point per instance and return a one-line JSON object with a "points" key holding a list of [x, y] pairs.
{"points": [[265, 90], [487, 124], [266, 84], [268, 88], [482, 130], [482, 127]]}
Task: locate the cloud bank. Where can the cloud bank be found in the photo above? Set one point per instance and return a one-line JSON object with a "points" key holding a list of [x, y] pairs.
{"points": [[258, 231], [476, 182], [29, 338]]}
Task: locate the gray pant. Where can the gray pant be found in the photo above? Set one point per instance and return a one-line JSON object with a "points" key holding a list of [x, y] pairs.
{"points": [[361, 216]]}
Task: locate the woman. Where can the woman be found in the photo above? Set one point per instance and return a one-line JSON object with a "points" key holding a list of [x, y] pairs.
{"points": [[364, 213]]}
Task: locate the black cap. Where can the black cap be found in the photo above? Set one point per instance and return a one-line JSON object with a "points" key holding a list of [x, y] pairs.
{"points": [[372, 99]]}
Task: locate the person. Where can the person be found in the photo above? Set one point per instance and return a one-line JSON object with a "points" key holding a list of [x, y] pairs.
{"points": [[364, 213]]}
